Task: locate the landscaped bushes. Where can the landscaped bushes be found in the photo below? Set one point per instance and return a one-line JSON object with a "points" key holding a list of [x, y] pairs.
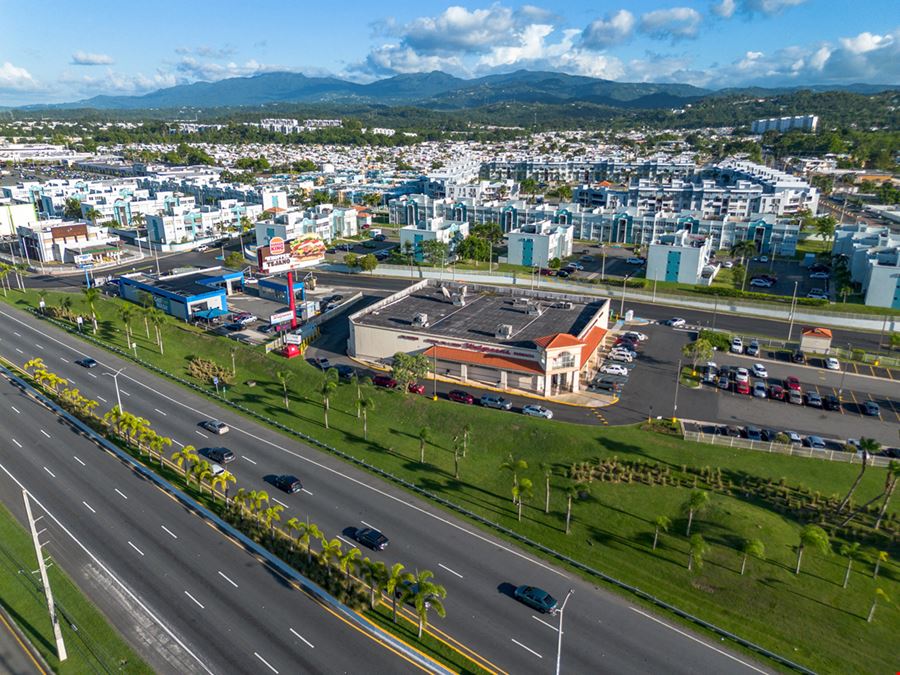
{"points": [[719, 341]]}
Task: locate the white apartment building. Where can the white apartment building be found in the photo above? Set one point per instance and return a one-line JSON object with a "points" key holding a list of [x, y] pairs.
{"points": [[14, 215], [536, 244], [324, 221], [449, 232], [782, 124], [873, 257], [67, 242], [678, 257]]}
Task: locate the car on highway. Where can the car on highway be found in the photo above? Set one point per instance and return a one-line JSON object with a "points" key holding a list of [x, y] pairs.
{"points": [[536, 598], [752, 349], [742, 387], [369, 536], [676, 322], [832, 402], [871, 409], [832, 363], [798, 357], [385, 381], [215, 427], [220, 455], [814, 442], [562, 274], [202, 248], [759, 370], [533, 410], [494, 401], [724, 381], [614, 369], [813, 400], [741, 375], [460, 396], [737, 345], [87, 363], [795, 396], [759, 390], [415, 388], [792, 383], [776, 392], [287, 482]]}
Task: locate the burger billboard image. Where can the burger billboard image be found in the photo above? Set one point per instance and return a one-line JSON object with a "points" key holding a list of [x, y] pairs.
{"points": [[281, 256]]}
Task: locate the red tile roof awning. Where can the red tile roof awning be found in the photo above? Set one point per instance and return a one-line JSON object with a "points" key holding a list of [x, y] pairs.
{"points": [[591, 341], [484, 359], [558, 340], [817, 332]]}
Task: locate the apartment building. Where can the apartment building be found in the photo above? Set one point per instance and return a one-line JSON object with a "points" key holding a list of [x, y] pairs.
{"points": [[679, 257], [536, 244], [782, 124], [449, 232]]}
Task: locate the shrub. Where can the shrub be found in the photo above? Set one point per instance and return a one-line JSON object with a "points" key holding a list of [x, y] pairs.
{"points": [[205, 370], [720, 341]]}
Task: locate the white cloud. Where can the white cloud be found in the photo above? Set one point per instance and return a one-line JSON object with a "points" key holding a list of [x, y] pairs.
{"points": [[728, 8], [207, 51], [608, 31], [676, 23], [459, 29], [194, 69], [866, 42], [724, 9], [80, 58], [14, 77], [112, 82], [391, 59]]}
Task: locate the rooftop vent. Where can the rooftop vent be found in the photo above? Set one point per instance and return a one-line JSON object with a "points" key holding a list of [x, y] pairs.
{"points": [[534, 309], [504, 332], [420, 320]]}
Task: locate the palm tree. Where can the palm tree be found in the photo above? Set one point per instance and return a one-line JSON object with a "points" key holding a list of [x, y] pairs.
{"points": [[270, 516], [126, 313], [814, 537], [890, 484], [698, 549], [662, 523], [184, 458], [158, 443], [240, 499], [348, 561], [91, 296], [698, 501], [202, 473], [572, 491], [157, 320], [548, 471], [424, 437], [880, 557], [457, 446], [744, 248], [284, 377], [365, 405], [293, 524], [867, 446], [257, 498], [36, 363], [309, 531], [428, 595], [398, 581], [522, 491], [514, 465], [329, 384], [754, 548], [375, 573], [222, 480], [851, 551], [879, 595], [331, 551]]}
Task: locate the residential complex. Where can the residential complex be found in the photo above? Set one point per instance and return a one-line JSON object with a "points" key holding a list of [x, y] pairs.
{"points": [[782, 124]]}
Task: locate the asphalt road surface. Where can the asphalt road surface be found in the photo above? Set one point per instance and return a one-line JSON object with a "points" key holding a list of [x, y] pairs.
{"points": [[604, 632]]}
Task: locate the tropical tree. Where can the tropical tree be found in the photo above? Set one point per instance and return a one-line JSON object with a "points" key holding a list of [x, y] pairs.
{"points": [[851, 552], [307, 532], [698, 549], [547, 469], [366, 404], [528, 186], [349, 560], [408, 368], [698, 501], [662, 523], [880, 557], [522, 491], [514, 465], [145, 300], [293, 525], [814, 537], [572, 491], [222, 480], [126, 313], [91, 296], [202, 473], [466, 432], [457, 447], [329, 384], [699, 350], [331, 551], [867, 446], [271, 516], [284, 376], [375, 574], [184, 458], [879, 595], [744, 248], [398, 581], [428, 596], [751, 548], [157, 320], [34, 364], [890, 484], [424, 437]]}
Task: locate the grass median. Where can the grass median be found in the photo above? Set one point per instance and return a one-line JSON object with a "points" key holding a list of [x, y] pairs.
{"points": [[809, 617]]}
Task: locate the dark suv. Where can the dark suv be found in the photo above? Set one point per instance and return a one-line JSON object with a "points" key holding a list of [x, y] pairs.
{"points": [[288, 483], [372, 538], [220, 455]]}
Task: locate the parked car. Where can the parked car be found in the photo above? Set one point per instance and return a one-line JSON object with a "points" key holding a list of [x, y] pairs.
{"points": [[245, 319], [607, 384], [586, 259], [215, 426], [795, 396], [547, 272], [724, 382], [710, 374], [460, 396], [621, 356], [220, 455], [494, 401], [832, 402], [87, 363], [202, 248], [798, 357], [676, 322], [817, 294], [759, 370], [742, 387], [776, 392], [871, 409], [793, 436], [737, 345], [533, 410], [741, 375], [562, 274], [622, 349], [344, 371], [415, 388], [761, 283], [819, 275], [385, 381], [792, 382], [759, 389], [614, 369], [752, 349], [728, 264], [815, 442], [754, 434], [813, 400], [323, 363], [288, 483], [372, 538], [536, 598], [769, 435], [640, 337], [832, 363], [575, 266]]}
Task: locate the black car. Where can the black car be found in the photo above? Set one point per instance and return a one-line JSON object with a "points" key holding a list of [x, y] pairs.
{"points": [[218, 455], [344, 371], [831, 402], [288, 483], [372, 538], [871, 409], [536, 598], [753, 433], [562, 274], [798, 357], [87, 363]]}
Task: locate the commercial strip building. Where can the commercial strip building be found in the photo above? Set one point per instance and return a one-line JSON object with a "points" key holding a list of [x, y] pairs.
{"points": [[67, 242], [544, 343], [188, 295], [678, 257]]}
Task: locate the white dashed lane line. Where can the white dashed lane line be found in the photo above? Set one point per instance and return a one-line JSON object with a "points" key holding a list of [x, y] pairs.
{"points": [[79, 461], [160, 412], [302, 638], [172, 534], [268, 665], [45, 433], [278, 501], [248, 459], [121, 494], [50, 472], [442, 565], [527, 649], [197, 602], [227, 579], [16, 442], [89, 507], [135, 548], [16, 409]]}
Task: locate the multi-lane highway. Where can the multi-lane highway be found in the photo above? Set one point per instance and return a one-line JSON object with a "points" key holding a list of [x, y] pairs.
{"points": [[604, 632]]}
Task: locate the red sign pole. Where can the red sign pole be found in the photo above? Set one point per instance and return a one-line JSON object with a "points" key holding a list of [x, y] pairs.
{"points": [[290, 289]]}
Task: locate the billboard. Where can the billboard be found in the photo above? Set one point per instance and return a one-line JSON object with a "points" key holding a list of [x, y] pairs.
{"points": [[281, 317], [282, 256]]}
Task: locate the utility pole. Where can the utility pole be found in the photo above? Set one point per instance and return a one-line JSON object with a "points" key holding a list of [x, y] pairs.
{"points": [[622, 305], [45, 581], [793, 303], [559, 632], [677, 379]]}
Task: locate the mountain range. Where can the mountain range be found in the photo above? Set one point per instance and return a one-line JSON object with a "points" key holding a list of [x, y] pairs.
{"points": [[436, 90]]}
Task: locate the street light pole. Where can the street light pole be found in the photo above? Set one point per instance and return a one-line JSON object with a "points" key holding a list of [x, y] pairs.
{"points": [[677, 380], [115, 378], [622, 305], [793, 303], [560, 630]]}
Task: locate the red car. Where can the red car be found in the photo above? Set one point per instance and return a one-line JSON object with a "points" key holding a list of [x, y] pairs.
{"points": [[792, 383], [460, 396], [776, 392], [384, 381], [742, 387], [416, 388], [545, 272]]}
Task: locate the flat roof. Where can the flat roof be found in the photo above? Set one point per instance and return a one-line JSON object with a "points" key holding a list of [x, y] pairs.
{"points": [[483, 312], [183, 285]]}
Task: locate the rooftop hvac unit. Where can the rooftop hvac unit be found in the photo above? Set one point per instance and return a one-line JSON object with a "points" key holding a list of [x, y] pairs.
{"points": [[445, 292], [459, 300], [535, 309], [504, 332], [420, 320]]}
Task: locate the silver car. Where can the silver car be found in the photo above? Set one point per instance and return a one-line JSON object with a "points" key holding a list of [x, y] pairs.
{"points": [[537, 411]]}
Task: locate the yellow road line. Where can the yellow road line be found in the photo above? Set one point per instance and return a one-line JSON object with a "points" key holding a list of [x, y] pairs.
{"points": [[22, 644]]}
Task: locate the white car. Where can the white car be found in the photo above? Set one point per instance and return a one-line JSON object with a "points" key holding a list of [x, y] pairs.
{"points": [[676, 322], [537, 411], [737, 346], [614, 369], [741, 375], [640, 337], [621, 356], [759, 370], [817, 294], [623, 350], [832, 363], [819, 275], [793, 436], [761, 283], [202, 248], [728, 264]]}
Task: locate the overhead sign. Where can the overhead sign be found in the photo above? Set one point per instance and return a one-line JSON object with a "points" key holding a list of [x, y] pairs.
{"points": [[281, 317], [280, 256], [83, 258]]}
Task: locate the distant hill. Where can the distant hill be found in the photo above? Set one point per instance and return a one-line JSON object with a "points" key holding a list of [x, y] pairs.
{"points": [[436, 90]]}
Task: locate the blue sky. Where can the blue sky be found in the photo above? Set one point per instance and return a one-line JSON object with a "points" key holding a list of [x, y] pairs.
{"points": [[64, 51]]}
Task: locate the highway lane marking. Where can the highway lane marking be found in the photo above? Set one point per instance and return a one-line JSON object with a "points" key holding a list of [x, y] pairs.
{"points": [[16, 334], [19, 350], [39, 346], [307, 491], [16, 409], [201, 433], [135, 548], [195, 600], [268, 665], [528, 649], [248, 459], [173, 535], [92, 375], [549, 625], [17, 442], [448, 569], [79, 461], [227, 579], [320, 465], [695, 639], [178, 443], [50, 472], [45, 433], [311, 645], [349, 543], [122, 494], [64, 359], [278, 501], [100, 398], [89, 506], [160, 412]]}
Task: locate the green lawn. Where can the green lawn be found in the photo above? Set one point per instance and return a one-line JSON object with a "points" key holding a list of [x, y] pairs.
{"points": [[94, 647], [808, 618]]}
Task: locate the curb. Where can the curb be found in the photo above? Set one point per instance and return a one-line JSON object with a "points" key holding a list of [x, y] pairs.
{"points": [[24, 642]]}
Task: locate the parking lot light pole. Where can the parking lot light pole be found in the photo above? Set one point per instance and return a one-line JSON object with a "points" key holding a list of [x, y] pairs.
{"points": [[622, 306], [675, 403], [560, 630], [793, 303]]}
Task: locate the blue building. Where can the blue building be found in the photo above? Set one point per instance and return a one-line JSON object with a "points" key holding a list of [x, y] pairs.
{"points": [[187, 296]]}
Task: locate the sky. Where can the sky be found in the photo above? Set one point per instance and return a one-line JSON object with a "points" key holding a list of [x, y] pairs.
{"points": [[54, 51]]}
